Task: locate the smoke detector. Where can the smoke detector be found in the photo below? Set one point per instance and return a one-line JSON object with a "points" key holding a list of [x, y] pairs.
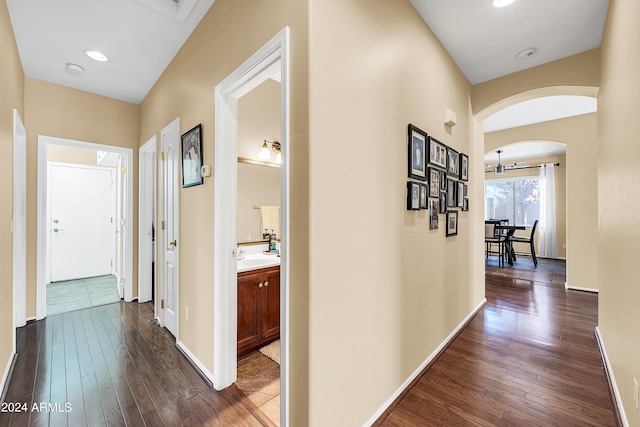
{"points": [[527, 53]]}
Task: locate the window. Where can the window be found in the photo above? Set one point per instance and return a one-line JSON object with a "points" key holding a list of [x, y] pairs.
{"points": [[516, 199]]}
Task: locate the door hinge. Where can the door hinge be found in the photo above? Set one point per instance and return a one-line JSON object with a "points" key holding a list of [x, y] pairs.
{"points": [[163, 155], [162, 225], [161, 303], [123, 169]]}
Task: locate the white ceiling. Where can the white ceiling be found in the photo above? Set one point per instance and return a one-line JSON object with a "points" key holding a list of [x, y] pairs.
{"points": [[523, 151], [142, 36], [484, 40], [140, 41], [540, 110]]}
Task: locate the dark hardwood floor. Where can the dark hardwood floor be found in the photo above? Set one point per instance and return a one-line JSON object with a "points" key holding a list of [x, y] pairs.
{"points": [[110, 366], [529, 358]]}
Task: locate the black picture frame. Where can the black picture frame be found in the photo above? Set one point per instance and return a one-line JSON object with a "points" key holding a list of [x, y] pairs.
{"points": [[416, 150], [452, 188], [424, 190], [413, 196], [464, 167], [453, 162], [433, 214], [443, 180], [437, 153], [452, 223], [443, 202], [460, 193], [434, 182], [192, 157], [465, 205]]}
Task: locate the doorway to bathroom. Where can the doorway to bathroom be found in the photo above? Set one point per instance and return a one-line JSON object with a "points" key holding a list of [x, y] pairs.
{"points": [[270, 62]]}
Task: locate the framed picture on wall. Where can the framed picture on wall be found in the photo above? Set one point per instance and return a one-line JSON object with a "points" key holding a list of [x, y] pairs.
{"points": [[434, 182], [465, 205], [452, 200], [453, 162], [413, 196], [433, 214], [443, 202], [460, 192], [464, 167], [423, 196], [443, 180], [192, 157], [452, 223], [417, 145], [437, 153]]}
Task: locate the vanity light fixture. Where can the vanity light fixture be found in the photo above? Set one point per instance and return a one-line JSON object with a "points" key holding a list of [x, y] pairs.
{"points": [[502, 3], [265, 154], [96, 55]]}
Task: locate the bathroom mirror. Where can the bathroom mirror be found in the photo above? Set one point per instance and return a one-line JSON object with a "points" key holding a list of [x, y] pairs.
{"points": [[258, 179]]}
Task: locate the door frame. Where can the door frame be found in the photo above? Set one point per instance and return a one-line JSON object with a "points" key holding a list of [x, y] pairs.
{"points": [[19, 232], [147, 216], [272, 59], [163, 239], [42, 203]]}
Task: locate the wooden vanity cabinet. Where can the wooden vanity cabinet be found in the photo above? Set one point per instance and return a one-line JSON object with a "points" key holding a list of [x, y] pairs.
{"points": [[258, 308]]}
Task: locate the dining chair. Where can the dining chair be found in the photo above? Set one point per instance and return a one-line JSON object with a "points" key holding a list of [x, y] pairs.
{"points": [[493, 237], [529, 240]]}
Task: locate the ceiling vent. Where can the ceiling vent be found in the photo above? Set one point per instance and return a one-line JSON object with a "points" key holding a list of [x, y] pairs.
{"points": [[178, 10]]}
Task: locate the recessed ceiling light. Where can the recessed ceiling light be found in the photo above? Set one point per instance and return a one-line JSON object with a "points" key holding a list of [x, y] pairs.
{"points": [[526, 53], [502, 3], [96, 55], [74, 68]]}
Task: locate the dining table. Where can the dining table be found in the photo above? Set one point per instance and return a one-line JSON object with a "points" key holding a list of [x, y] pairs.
{"points": [[510, 231]]}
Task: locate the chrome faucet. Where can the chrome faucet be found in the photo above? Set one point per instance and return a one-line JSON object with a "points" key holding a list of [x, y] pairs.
{"points": [[241, 253]]}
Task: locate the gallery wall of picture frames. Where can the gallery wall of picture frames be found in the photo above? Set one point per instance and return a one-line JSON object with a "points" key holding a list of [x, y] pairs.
{"points": [[439, 179]]}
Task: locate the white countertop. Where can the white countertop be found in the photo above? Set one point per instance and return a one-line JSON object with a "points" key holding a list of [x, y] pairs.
{"points": [[256, 261]]}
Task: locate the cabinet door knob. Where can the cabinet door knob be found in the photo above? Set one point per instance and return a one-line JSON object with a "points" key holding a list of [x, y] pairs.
{"points": [[266, 283], [260, 284]]}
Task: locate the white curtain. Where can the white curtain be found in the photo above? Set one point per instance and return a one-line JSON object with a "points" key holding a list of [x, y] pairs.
{"points": [[547, 242]]}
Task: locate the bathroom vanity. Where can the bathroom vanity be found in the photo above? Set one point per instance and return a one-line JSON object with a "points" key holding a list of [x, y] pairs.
{"points": [[258, 302]]}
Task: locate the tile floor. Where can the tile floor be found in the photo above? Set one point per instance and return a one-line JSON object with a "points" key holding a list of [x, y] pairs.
{"points": [[71, 295], [259, 380]]}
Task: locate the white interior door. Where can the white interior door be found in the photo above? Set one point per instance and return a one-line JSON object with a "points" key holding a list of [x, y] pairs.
{"points": [[170, 137], [19, 220], [81, 216]]}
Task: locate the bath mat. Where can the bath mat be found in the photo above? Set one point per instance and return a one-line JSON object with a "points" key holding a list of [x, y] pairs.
{"points": [[272, 351]]}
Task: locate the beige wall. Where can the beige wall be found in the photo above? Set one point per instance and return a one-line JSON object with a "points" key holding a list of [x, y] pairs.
{"points": [[579, 134], [11, 96], [76, 156], [61, 112], [230, 33], [561, 198], [385, 291], [576, 75], [258, 119], [619, 186]]}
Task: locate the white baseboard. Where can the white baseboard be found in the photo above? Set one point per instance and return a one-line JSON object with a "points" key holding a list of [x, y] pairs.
{"points": [[422, 366], [612, 379], [7, 373], [204, 371], [578, 288]]}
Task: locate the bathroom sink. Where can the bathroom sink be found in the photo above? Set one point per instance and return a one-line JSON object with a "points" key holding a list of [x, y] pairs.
{"points": [[254, 262]]}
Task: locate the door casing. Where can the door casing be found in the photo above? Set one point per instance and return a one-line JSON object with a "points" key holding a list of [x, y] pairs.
{"points": [[272, 59], [126, 245], [19, 223]]}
